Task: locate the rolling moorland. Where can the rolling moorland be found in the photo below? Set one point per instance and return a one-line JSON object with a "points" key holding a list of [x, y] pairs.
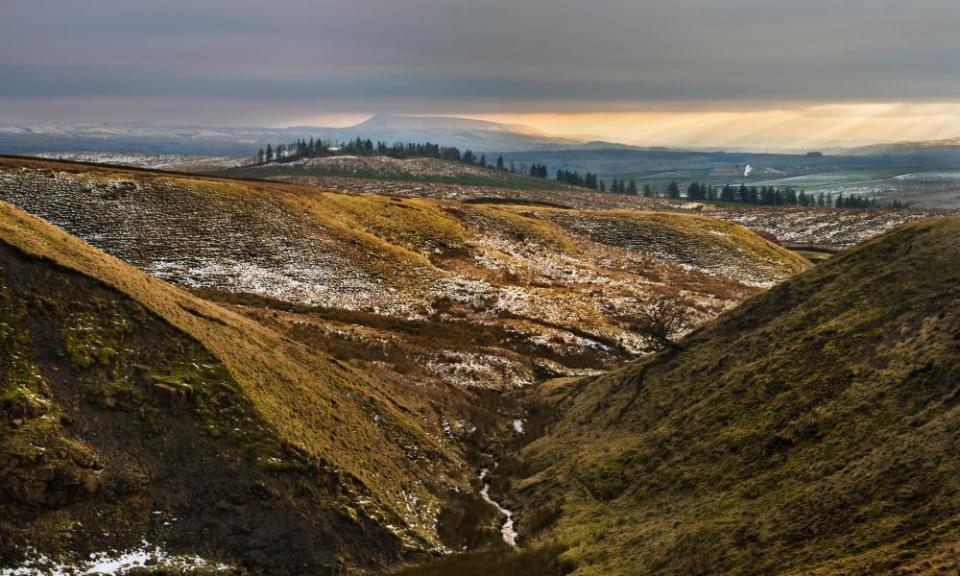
{"points": [[416, 259], [441, 179], [832, 229], [332, 361], [342, 365]]}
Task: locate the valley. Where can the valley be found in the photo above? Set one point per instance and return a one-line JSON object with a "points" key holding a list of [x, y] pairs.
{"points": [[398, 321], [385, 366]]}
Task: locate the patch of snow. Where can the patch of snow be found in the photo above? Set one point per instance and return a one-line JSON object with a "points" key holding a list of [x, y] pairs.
{"points": [[146, 555]]}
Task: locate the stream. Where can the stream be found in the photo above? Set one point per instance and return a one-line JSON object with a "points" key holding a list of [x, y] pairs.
{"points": [[507, 530]]}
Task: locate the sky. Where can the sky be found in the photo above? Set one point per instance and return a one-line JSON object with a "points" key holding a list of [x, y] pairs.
{"points": [[780, 73]]}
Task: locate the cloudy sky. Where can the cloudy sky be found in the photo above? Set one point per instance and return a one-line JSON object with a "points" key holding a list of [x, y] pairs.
{"points": [[752, 72]]}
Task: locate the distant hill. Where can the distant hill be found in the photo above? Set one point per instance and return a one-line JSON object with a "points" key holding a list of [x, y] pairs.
{"points": [[478, 135], [377, 168], [813, 431], [935, 153]]}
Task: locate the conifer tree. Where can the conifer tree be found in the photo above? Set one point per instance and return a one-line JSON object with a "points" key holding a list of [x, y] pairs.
{"points": [[673, 189]]}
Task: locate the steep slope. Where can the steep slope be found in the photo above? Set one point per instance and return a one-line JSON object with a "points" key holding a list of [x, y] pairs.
{"points": [[131, 410], [814, 430]]}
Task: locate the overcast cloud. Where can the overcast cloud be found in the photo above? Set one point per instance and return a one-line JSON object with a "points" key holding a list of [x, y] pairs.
{"points": [[245, 62]]}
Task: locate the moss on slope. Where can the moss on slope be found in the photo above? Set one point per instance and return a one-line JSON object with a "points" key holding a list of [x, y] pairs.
{"points": [[814, 430]]}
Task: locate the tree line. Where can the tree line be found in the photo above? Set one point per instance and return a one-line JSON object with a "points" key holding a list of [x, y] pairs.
{"points": [[772, 196], [763, 195], [317, 148]]}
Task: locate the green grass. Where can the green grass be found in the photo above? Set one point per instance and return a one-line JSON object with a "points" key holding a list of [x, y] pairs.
{"points": [[839, 177], [815, 256], [811, 431]]}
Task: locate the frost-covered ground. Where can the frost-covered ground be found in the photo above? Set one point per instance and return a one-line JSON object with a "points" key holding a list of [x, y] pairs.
{"points": [[828, 228], [114, 562], [560, 196], [809, 226], [171, 162], [195, 237], [467, 294]]}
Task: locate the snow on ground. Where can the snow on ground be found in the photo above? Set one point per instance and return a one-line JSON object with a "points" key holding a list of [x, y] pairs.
{"points": [[931, 176], [830, 228], [172, 162], [113, 562], [559, 283]]}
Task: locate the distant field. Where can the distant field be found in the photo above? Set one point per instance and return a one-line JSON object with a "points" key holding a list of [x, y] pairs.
{"points": [[919, 188], [938, 189], [171, 162]]}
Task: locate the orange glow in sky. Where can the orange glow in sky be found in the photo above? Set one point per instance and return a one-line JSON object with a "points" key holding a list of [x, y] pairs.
{"points": [[794, 128]]}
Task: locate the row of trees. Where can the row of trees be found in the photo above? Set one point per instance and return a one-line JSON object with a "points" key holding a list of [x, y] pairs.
{"points": [[771, 196], [764, 195], [315, 148]]}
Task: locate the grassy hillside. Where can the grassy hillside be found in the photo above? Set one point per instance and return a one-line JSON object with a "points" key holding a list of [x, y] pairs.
{"points": [[480, 295], [428, 170], [125, 396], [814, 430]]}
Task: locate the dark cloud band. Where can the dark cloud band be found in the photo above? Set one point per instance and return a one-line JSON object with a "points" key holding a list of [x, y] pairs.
{"points": [[498, 55]]}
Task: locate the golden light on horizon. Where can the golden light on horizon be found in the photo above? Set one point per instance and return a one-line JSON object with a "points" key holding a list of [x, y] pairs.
{"points": [[794, 127]]}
